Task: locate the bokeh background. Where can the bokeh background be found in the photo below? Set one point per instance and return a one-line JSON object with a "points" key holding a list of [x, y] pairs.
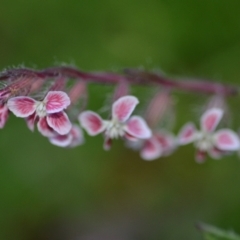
{"points": [[85, 193]]}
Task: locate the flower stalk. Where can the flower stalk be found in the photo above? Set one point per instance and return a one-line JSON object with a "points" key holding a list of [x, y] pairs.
{"points": [[138, 77], [50, 98]]}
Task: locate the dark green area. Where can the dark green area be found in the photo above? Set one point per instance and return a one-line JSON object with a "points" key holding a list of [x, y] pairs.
{"points": [[53, 193]]}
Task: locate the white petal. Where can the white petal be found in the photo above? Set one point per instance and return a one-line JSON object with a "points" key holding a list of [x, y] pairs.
{"points": [[123, 108], [210, 119], [227, 140], [138, 128], [187, 134], [91, 122], [56, 101], [59, 122], [77, 136], [44, 129], [151, 149], [22, 106], [61, 140]]}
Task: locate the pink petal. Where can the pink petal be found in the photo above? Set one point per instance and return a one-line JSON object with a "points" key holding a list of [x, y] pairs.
{"points": [[210, 119], [215, 153], [123, 107], [59, 122], [31, 120], [130, 137], [107, 143], [167, 142], [22, 106], [91, 122], [3, 115], [3, 107], [56, 101], [151, 149], [61, 140], [227, 140], [77, 136], [200, 156], [187, 134], [44, 128], [138, 128]]}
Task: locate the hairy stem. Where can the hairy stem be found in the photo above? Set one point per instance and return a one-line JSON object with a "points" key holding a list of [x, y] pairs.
{"points": [[131, 76]]}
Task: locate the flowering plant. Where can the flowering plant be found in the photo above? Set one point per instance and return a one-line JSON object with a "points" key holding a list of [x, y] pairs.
{"points": [[46, 98]]}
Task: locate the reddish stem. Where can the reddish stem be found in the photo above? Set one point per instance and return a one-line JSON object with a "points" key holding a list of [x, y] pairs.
{"points": [[131, 76]]}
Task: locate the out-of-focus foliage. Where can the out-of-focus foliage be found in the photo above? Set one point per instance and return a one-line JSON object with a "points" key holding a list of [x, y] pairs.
{"points": [[213, 233], [86, 193]]}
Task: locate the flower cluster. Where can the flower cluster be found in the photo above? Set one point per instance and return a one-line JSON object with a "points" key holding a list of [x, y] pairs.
{"points": [[55, 112], [52, 122], [121, 125], [207, 140]]}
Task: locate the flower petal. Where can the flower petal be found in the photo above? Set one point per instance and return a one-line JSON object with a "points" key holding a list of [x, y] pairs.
{"points": [[210, 119], [22, 106], [59, 122], [3, 107], [227, 140], [3, 115], [123, 108], [215, 153], [31, 120], [107, 143], [200, 156], [91, 122], [167, 142], [187, 134], [56, 101], [130, 137], [77, 136], [151, 149], [44, 128], [61, 140], [138, 128]]}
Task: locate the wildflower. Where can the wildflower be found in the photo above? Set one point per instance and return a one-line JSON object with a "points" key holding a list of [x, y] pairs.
{"points": [[160, 144], [49, 111], [207, 140], [72, 139], [121, 124]]}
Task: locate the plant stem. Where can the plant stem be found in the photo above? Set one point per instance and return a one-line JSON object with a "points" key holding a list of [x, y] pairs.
{"points": [[132, 76]]}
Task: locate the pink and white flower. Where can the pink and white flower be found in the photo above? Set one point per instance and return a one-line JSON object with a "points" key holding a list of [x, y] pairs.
{"points": [[207, 140], [159, 145], [72, 139], [121, 124], [49, 111]]}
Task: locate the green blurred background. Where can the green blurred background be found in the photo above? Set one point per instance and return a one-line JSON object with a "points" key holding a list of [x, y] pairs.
{"points": [[86, 193]]}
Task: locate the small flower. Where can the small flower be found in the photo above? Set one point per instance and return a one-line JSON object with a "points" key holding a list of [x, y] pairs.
{"points": [[72, 139], [206, 140], [49, 111], [159, 145], [121, 125]]}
